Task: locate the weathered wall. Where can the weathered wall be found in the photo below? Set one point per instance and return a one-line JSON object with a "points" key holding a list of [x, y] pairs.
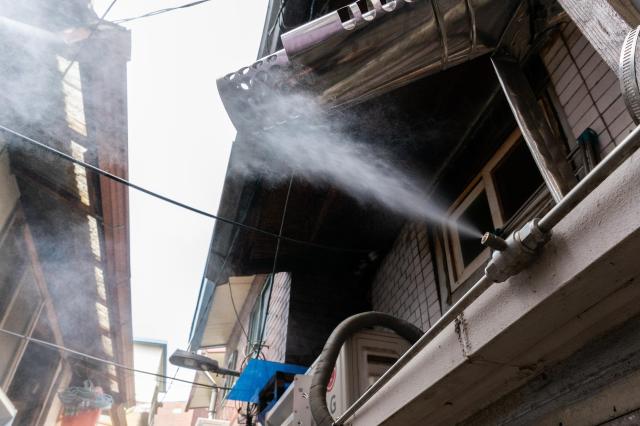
{"points": [[587, 89], [595, 385], [405, 285]]}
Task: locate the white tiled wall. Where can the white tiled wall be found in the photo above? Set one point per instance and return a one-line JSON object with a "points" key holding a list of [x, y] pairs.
{"points": [[588, 90]]}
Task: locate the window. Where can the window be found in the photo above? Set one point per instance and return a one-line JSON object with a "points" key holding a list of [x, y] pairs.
{"points": [[259, 316], [21, 298], [23, 311], [493, 200], [229, 381]]}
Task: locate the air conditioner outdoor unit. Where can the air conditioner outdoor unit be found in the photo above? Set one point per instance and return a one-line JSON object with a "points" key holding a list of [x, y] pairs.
{"points": [[7, 410], [362, 360]]}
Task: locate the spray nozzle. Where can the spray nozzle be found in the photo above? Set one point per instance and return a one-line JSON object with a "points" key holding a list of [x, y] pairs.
{"points": [[493, 241]]}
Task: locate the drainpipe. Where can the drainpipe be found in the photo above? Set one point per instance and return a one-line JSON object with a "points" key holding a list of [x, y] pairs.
{"points": [[510, 257], [213, 401]]}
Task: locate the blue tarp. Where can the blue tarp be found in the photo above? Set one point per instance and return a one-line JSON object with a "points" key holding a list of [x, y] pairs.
{"points": [[256, 375]]}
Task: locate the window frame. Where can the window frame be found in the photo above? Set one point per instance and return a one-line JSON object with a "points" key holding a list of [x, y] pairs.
{"points": [[17, 223], [457, 272], [258, 316], [34, 316]]}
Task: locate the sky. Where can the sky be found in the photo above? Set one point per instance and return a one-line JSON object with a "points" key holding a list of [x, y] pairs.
{"points": [[179, 143]]}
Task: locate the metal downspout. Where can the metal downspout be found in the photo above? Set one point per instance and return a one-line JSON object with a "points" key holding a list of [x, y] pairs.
{"points": [[509, 258]]}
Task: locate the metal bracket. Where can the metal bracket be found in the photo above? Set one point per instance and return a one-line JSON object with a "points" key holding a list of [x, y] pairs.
{"points": [[628, 76]]}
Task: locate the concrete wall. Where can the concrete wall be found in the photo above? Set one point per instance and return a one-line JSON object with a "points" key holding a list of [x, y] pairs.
{"points": [[405, 285], [596, 385], [587, 89]]}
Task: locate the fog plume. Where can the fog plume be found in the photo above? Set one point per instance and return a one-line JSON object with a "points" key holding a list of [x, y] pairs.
{"points": [[317, 147]]}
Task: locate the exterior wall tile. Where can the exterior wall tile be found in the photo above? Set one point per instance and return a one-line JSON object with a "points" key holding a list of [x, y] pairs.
{"points": [[405, 284], [588, 90], [276, 325]]}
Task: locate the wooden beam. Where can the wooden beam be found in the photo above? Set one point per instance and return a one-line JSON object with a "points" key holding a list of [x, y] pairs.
{"points": [[602, 25], [547, 150]]}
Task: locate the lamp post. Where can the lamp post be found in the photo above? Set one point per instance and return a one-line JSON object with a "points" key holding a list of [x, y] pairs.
{"points": [[193, 361]]}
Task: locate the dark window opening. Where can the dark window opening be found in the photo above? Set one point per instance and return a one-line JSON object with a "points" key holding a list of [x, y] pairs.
{"points": [[345, 14], [516, 179], [477, 216], [365, 6]]}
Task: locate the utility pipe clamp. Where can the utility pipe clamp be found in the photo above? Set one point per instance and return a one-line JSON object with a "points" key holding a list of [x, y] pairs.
{"points": [[628, 74]]}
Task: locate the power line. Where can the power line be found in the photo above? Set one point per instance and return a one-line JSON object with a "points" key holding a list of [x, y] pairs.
{"points": [[91, 33], [275, 263], [174, 202], [102, 360], [159, 12], [233, 302], [277, 21]]}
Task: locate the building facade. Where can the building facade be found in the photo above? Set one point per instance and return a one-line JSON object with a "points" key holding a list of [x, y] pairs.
{"points": [[544, 347], [64, 231]]}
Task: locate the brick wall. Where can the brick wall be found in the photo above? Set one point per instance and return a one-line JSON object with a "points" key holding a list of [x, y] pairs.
{"points": [[275, 334], [587, 89], [405, 285]]}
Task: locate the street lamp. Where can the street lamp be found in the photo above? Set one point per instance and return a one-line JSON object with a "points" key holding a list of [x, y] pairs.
{"points": [[194, 361]]}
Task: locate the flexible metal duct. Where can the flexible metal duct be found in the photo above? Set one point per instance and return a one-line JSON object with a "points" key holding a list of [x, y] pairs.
{"points": [[360, 51]]}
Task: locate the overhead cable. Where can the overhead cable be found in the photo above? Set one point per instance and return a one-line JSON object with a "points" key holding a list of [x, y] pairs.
{"points": [[159, 12], [102, 360], [275, 263], [91, 33], [172, 201]]}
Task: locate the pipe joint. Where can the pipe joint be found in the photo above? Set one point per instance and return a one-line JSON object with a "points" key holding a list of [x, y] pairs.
{"points": [[512, 255]]}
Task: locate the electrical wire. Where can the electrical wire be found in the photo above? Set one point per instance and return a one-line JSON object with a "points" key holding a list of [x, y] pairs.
{"points": [[91, 33], [233, 302], [283, 4], [275, 263], [101, 360], [173, 379], [174, 202], [159, 12]]}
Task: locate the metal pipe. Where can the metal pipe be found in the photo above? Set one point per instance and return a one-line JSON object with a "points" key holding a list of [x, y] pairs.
{"points": [[524, 238], [493, 241], [591, 181]]}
